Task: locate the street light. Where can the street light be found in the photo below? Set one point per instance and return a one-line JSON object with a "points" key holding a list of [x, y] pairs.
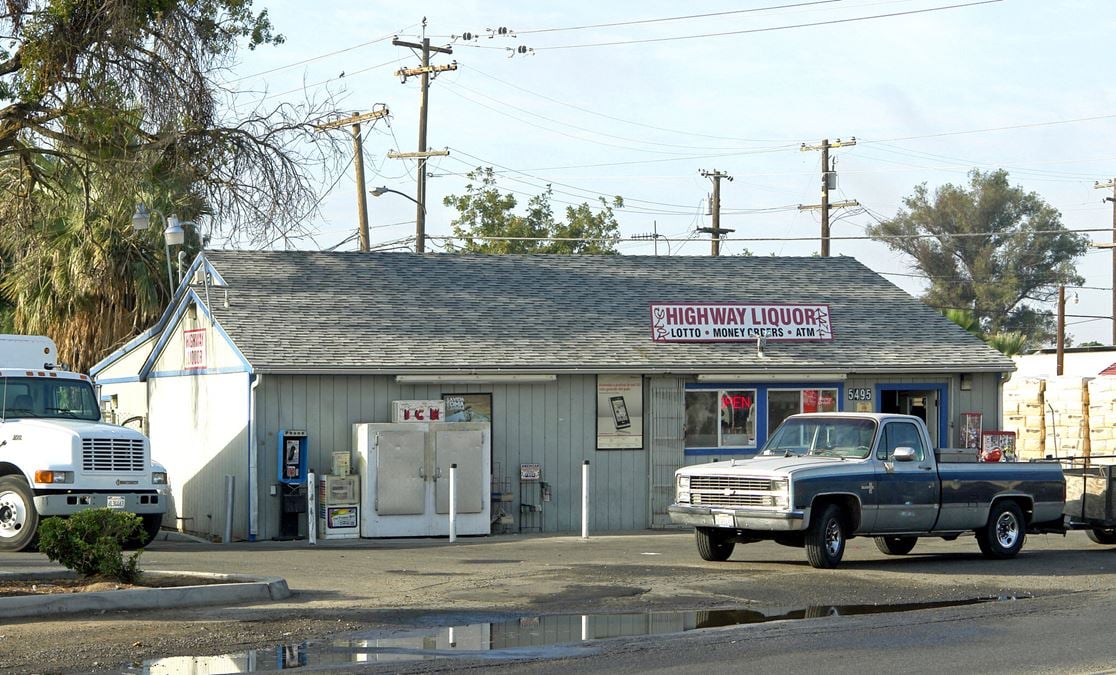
{"points": [[173, 235], [420, 237]]}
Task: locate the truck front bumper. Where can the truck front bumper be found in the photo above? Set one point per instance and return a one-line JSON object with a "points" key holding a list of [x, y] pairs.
{"points": [[741, 519], [67, 504]]}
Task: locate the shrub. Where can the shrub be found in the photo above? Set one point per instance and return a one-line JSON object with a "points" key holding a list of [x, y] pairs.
{"points": [[92, 543]]}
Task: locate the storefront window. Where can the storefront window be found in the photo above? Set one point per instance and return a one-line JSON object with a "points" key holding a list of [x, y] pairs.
{"points": [[721, 418], [782, 403]]}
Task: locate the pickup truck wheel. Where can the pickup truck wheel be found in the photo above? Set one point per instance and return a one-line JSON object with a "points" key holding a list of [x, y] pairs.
{"points": [[825, 539], [1005, 533], [896, 545], [1102, 535], [712, 544], [19, 521]]}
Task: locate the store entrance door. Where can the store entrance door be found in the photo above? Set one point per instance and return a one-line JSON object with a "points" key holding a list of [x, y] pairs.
{"points": [[924, 404]]}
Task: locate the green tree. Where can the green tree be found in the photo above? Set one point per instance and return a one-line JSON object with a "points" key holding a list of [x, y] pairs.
{"points": [[483, 211], [110, 102], [1009, 344], [990, 246]]}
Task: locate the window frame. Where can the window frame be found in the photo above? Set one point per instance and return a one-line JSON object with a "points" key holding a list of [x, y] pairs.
{"points": [[759, 410]]}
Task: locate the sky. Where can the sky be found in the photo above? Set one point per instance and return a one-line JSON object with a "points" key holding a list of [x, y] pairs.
{"points": [[635, 99]]}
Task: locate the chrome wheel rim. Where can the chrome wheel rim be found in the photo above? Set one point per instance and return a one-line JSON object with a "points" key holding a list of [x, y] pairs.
{"points": [[833, 537], [1007, 530], [13, 514]]}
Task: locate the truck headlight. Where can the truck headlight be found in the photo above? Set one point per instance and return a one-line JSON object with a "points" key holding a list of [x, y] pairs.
{"points": [[159, 477], [54, 476], [780, 493], [683, 482]]}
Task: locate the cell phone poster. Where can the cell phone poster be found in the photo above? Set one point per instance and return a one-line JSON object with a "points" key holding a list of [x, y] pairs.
{"points": [[619, 412]]}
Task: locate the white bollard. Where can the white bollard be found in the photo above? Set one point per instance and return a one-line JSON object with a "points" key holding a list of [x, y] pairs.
{"points": [[311, 508], [585, 500], [230, 492], [584, 627], [453, 503]]}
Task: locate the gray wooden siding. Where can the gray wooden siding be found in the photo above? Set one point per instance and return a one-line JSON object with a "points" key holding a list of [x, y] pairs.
{"points": [[553, 424]]}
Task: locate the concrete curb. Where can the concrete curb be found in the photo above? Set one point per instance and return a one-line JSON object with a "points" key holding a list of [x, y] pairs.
{"points": [[233, 590]]}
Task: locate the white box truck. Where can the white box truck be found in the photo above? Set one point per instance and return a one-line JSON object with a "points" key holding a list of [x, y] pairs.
{"points": [[56, 455]]}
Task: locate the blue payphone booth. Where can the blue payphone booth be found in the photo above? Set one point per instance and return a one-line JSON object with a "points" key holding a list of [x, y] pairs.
{"points": [[292, 453]]}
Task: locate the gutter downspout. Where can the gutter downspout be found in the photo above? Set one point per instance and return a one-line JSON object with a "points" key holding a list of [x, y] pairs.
{"points": [[253, 463]]}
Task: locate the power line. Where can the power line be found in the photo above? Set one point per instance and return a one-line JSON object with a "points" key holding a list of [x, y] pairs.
{"points": [[1009, 127], [829, 22], [625, 121], [319, 56], [637, 22]]}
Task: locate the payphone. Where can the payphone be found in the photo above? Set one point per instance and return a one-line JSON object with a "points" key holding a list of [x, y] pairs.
{"points": [[292, 456]]}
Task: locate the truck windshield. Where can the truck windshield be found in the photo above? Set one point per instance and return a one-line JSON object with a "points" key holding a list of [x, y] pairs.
{"points": [[22, 397], [833, 437]]}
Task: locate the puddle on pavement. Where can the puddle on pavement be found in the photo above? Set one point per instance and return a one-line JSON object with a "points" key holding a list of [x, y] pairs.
{"points": [[549, 636]]}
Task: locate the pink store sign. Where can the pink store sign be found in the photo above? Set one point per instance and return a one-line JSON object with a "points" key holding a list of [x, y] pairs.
{"points": [[738, 322]]}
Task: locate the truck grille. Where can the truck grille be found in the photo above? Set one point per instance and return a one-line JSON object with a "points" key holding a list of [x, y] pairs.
{"points": [[730, 491], [720, 483], [112, 454]]}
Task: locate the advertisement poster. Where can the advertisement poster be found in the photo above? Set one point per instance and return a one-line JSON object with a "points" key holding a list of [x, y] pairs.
{"points": [[619, 412], [468, 407], [971, 429], [997, 446]]}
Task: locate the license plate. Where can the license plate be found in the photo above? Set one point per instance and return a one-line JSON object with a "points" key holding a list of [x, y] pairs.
{"points": [[724, 520], [116, 502]]}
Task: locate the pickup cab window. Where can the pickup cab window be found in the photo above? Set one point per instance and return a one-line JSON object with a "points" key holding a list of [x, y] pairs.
{"points": [[833, 437], [900, 435]]}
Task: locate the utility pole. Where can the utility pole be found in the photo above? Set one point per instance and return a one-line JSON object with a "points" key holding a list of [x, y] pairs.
{"points": [[358, 161], [828, 182], [1111, 183], [1061, 343], [424, 71], [715, 209]]}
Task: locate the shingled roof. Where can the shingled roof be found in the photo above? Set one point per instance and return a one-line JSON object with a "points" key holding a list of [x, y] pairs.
{"points": [[300, 311]]}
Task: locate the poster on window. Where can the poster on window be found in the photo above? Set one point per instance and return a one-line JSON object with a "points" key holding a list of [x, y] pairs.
{"points": [[468, 407], [971, 428], [619, 412]]}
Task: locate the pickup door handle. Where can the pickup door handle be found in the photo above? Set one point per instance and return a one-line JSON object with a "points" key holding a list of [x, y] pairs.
{"points": [[926, 468]]}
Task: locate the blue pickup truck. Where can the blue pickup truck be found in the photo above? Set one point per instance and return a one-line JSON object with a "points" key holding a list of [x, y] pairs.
{"points": [[825, 478]]}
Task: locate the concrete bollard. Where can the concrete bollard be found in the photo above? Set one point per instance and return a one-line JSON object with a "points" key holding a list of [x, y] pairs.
{"points": [[453, 503], [312, 508], [585, 500], [230, 493]]}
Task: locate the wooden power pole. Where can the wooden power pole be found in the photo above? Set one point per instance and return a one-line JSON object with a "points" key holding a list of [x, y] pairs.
{"points": [[424, 71], [354, 120], [1111, 183], [828, 182], [715, 209]]}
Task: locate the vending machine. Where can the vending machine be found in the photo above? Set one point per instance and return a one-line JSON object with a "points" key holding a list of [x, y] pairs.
{"points": [[339, 506]]}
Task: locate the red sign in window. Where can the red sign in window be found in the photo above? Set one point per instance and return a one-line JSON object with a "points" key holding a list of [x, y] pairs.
{"points": [[736, 401]]}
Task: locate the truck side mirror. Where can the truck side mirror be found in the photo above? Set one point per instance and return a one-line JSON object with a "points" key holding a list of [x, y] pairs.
{"points": [[904, 454]]}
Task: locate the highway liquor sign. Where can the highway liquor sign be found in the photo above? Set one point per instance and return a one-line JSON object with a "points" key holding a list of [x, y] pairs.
{"points": [[738, 322]]}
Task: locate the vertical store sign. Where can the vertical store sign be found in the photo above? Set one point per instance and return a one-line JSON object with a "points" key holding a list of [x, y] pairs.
{"points": [[193, 341], [619, 412]]}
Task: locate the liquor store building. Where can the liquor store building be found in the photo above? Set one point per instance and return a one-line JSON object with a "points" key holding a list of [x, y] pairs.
{"points": [[638, 364]]}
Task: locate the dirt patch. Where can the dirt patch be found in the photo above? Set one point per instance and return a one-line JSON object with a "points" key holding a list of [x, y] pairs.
{"points": [[72, 584]]}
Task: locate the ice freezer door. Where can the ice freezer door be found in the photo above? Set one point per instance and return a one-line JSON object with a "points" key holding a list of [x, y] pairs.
{"points": [[466, 449], [400, 485]]}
